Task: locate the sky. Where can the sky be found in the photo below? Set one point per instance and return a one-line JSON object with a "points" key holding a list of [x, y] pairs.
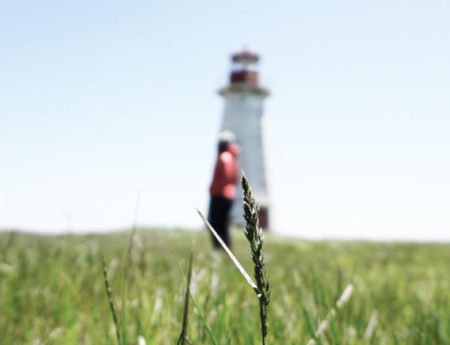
{"points": [[103, 103]]}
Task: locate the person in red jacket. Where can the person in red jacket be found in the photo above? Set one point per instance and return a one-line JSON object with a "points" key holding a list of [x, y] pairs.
{"points": [[223, 187]]}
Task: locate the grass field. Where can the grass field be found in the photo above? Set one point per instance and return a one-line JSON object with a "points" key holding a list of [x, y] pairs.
{"points": [[52, 290]]}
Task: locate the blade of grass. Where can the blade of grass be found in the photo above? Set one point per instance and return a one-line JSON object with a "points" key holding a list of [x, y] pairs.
{"points": [[202, 318], [110, 300], [371, 326], [331, 314], [125, 272], [230, 254], [182, 338], [311, 327]]}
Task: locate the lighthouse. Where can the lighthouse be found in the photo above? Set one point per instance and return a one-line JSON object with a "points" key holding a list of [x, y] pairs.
{"points": [[244, 117]]}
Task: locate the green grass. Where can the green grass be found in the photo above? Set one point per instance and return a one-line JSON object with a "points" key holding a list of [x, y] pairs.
{"points": [[52, 290]]}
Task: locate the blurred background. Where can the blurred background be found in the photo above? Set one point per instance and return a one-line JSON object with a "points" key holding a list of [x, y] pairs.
{"points": [[102, 101]]}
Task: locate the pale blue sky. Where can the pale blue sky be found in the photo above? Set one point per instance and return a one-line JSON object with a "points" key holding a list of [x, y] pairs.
{"points": [[100, 99]]}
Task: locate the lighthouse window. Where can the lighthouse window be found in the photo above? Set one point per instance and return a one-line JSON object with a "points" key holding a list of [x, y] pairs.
{"points": [[240, 66], [253, 67], [236, 66]]}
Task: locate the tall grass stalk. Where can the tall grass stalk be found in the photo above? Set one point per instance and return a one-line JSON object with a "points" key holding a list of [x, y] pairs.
{"points": [[254, 235], [122, 337], [111, 303]]}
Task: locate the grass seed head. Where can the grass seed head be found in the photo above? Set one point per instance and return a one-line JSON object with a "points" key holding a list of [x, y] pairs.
{"points": [[255, 237]]}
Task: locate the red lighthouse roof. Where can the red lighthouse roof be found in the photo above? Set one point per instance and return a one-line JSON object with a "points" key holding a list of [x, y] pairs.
{"points": [[245, 57]]}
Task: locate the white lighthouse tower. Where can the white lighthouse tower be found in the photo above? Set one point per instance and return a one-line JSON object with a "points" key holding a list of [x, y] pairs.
{"points": [[244, 117]]}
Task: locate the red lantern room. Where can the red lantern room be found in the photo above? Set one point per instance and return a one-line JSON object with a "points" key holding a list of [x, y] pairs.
{"points": [[244, 68]]}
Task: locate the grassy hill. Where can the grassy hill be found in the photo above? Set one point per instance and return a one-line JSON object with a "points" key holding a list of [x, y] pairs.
{"points": [[52, 290]]}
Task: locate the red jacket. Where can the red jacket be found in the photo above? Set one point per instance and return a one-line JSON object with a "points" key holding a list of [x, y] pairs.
{"points": [[226, 174]]}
